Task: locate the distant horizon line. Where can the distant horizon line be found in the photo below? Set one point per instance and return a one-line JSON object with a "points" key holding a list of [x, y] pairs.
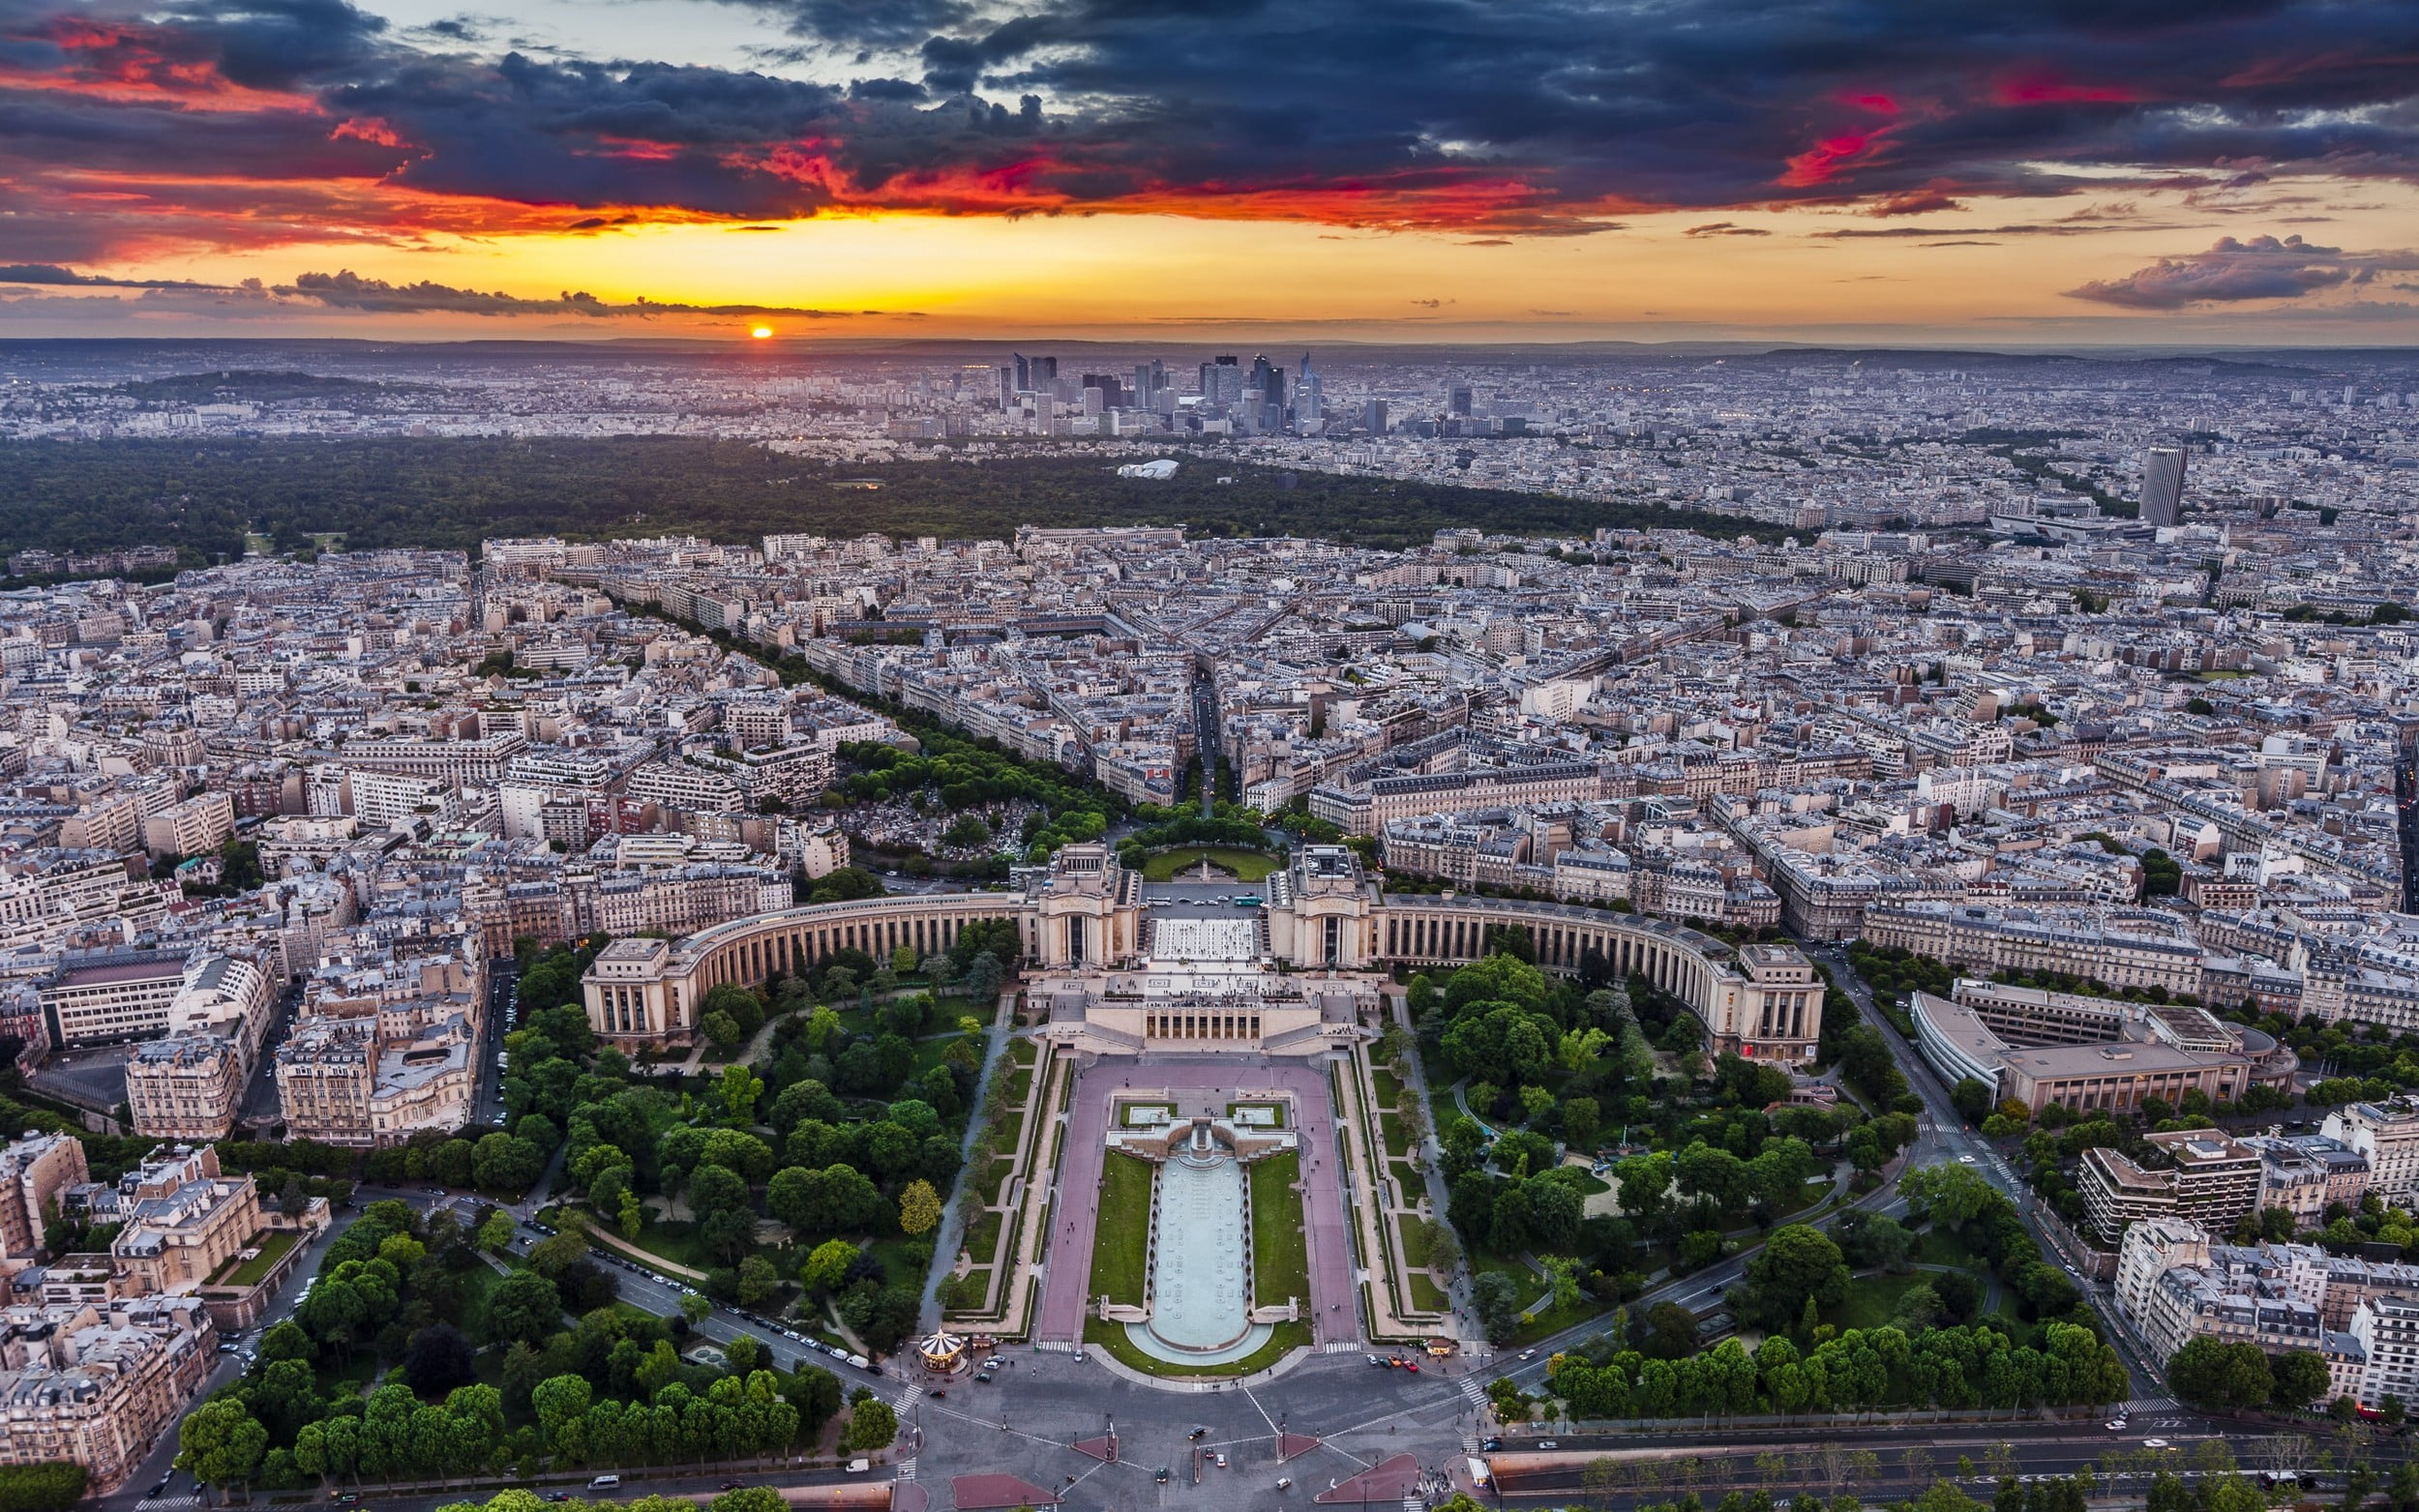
{"points": [[1268, 335]]}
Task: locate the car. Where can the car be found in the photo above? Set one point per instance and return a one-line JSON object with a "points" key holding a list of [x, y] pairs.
{"points": [[1490, 1445], [1528, 1354], [2157, 1444], [1078, 1356], [1550, 1443], [1219, 1459], [2116, 1425], [161, 1490], [1965, 1160], [982, 1378], [941, 1394], [1198, 1432], [1160, 1475], [1411, 1366], [558, 1496], [345, 1498], [730, 1485], [1374, 1360]]}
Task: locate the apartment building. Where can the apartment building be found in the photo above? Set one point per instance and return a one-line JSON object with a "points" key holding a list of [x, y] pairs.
{"points": [[368, 1081], [45, 891], [679, 785], [2119, 947], [99, 1386], [384, 799], [481, 760], [2174, 1285], [180, 1218], [2306, 1173], [185, 1087], [197, 826], [2387, 1329], [2387, 1134], [324, 1070], [33, 1171], [1368, 809], [2213, 1181]]}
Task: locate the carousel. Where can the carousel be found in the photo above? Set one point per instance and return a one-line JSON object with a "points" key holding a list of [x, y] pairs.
{"points": [[943, 1353]]}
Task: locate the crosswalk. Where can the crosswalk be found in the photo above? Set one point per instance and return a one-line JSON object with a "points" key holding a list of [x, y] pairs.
{"points": [[1472, 1391], [905, 1470], [1413, 1502], [166, 1503]]}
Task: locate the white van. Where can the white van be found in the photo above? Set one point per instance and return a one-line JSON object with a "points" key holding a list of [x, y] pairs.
{"points": [[605, 1483], [860, 1466]]}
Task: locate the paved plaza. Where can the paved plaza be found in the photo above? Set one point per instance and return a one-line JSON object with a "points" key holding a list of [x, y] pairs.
{"points": [[1334, 1304]]}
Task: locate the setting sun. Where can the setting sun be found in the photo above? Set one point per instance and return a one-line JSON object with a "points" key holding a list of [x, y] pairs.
{"points": [[762, 333]]}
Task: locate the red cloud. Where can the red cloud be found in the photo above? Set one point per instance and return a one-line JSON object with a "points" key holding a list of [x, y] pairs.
{"points": [[1822, 162], [2036, 89]]}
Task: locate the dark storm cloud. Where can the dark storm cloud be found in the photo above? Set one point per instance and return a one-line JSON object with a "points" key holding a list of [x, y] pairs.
{"points": [[51, 275], [1500, 117], [2234, 271], [349, 290]]}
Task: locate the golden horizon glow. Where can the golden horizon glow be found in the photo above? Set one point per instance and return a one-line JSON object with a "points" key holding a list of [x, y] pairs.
{"points": [[1978, 273]]}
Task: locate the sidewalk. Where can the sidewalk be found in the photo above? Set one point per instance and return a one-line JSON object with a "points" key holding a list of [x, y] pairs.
{"points": [[951, 1234]]}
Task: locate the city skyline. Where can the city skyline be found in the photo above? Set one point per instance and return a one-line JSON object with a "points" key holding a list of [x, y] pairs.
{"points": [[1842, 171]]}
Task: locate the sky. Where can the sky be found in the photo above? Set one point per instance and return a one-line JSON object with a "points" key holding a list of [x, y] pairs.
{"points": [[2031, 172]]}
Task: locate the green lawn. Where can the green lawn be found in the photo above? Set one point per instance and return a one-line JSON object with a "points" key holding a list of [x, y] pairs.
{"points": [[476, 1283], [1019, 1085], [1425, 1295], [675, 1242], [1120, 1246], [1389, 1091], [1554, 1319], [1943, 1247], [1391, 1130], [1412, 1235], [1283, 1338], [1280, 1251], [1869, 1302], [1249, 866], [247, 1273], [352, 1378], [1024, 1053], [1531, 1285], [982, 1241], [930, 1048]]}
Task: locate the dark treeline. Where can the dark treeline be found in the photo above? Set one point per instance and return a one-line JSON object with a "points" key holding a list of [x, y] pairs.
{"points": [[203, 497]]}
